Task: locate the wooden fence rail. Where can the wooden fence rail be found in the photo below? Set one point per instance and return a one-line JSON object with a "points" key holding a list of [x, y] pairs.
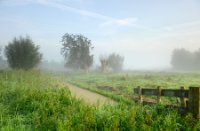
{"points": [[193, 96]]}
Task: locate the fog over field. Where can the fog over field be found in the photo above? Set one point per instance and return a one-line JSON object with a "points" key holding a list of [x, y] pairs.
{"points": [[145, 33]]}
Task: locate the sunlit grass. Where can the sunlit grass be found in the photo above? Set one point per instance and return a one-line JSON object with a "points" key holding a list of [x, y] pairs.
{"points": [[120, 86], [36, 101]]}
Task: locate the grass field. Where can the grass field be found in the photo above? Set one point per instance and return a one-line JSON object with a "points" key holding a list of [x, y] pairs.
{"points": [[36, 101], [120, 86]]}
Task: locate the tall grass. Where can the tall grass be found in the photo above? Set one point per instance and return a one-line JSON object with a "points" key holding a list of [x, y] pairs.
{"points": [[36, 101]]}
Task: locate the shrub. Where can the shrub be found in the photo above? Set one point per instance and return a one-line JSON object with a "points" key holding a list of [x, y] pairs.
{"points": [[22, 53]]}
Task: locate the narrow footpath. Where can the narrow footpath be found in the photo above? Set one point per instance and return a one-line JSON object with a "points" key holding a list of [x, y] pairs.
{"points": [[89, 97]]}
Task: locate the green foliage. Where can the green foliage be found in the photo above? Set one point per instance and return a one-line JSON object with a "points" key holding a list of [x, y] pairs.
{"points": [[183, 59], [76, 50], [22, 53], [35, 101]]}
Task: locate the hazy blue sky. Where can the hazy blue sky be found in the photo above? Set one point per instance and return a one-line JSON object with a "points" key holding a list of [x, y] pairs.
{"points": [[144, 31]]}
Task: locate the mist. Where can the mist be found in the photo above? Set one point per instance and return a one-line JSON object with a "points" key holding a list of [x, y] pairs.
{"points": [[145, 38]]}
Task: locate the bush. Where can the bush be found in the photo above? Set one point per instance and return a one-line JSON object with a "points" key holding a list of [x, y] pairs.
{"points": [[22, 53]]}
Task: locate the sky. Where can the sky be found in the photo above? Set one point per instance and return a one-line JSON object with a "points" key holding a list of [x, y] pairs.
{"points": [[145, 32]]}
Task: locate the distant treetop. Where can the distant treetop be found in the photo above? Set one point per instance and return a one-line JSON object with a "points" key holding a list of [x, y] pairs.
{"points": [[76, 51]]}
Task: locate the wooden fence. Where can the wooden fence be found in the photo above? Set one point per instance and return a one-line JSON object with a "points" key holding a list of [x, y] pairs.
{"points": [[189, 99]]}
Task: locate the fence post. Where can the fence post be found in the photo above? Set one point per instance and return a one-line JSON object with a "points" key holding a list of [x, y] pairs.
{"points": [[158, 94], [194, 101], [140, 94], [182, 98]]}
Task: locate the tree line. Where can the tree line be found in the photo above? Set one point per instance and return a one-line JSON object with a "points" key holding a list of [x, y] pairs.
{"points": [[183, 59], [22, 53]]}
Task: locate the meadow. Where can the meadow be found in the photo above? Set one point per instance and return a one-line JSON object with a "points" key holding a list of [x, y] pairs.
{"points": [[120, 86], [32, 100]]}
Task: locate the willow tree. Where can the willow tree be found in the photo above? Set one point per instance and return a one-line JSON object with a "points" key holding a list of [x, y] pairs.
{"points": [[115, 62], [104, 63]]}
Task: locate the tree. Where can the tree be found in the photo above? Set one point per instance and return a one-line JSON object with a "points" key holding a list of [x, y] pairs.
{"points": [[197, 59], [104, 63], [21, 53], [182, 59], [76, 51], [115, 62]]}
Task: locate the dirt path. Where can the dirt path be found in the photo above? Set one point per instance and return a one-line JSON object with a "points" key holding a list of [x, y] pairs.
{"points": [[89, 97]]}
